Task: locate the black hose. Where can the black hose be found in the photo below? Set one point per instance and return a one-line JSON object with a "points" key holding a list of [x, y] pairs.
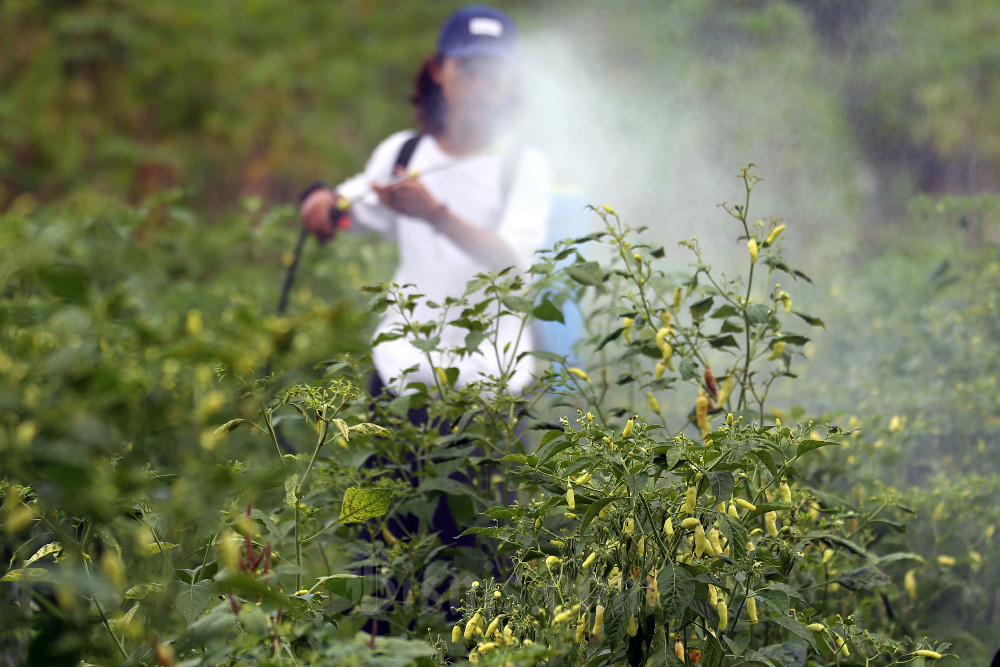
{"points": [[286, 290]]}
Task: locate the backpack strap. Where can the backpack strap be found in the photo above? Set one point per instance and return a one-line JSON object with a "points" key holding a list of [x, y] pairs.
{"points": [[508, 169], [406, 152]]}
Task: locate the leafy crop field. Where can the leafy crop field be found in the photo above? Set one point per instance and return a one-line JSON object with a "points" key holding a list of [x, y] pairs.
{"points": [[664, 503], [775, 444]]}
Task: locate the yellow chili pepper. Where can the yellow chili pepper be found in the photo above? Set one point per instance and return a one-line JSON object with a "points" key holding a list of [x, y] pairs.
{"points": [[470, 629], [581, 629], [769, 522], [816, 627], [777, 350], [713, 540], [570, 497], [661, 367], [690, 522], [723, 611], [690, 499], [551, 561], [752, 248], [785, 493], [562, 616], [633, 627], [701, 414], [910, 583], [578, 372], [786, 300], [456, 634], [746, 503], [842, 645], [627, 431], [713, 595], [773, 236], [663, 343], [725, 390], [492, 627], [699, 540], [654, 404], [925, 653], [627, 329], [752, 609], [441, 376], [598, 620], [590, 560]]}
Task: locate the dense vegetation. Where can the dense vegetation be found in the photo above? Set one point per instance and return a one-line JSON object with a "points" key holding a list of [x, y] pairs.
{"points": [[165, 503]]}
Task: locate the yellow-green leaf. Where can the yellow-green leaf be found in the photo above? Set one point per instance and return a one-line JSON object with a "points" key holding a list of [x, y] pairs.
{"points": [[363, 504]]}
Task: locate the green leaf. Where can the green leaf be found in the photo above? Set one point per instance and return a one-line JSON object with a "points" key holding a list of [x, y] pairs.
{"points": [[549, 447], [50, 548], [266, 520], [700, 308], [341, 427], [724, 311], [367, 428], [809, 445], [676, 589], [291, 491], [722, 483], [595, 509], [586, 273], [706, 611], [445, 485], [787, 654], [865, 578], [734, 531], [426, 344], [688, 369], [30, 575], [814, 321], [232, 425], [193, 598], [796, 628], [142, 590], [758, 313], [517, 304], [740, 448], [617, 333], [793, 339], [157, 547], [363, 504], [350, 586], [548, 312], [720, 342]]}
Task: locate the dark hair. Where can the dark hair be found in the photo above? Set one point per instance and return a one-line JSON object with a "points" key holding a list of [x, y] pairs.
{"points": [[427, 99], [429, 105]]}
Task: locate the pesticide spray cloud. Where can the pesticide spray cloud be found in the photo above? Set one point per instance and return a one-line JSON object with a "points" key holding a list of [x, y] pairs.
{"points": [[648, 111]]}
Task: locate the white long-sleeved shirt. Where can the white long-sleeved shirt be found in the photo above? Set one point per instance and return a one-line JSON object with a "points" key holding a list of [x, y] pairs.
{"points": [[472, 188]]}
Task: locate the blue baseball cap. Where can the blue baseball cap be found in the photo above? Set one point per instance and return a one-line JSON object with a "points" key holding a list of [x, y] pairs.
{"points": [[478, 31]]}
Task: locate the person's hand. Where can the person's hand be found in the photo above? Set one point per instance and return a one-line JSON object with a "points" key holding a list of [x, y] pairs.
{"points": [[315, 214], [411, 198]]}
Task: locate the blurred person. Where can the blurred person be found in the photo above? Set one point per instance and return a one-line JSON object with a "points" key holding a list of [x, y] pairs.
{"points": [[481, 203]]}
